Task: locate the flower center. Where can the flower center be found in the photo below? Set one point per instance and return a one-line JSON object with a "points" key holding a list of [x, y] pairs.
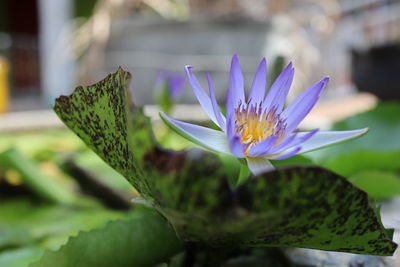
{"points": [[254, 125]]}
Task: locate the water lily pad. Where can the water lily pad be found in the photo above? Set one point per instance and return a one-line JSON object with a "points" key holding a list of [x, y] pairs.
{"points": [[296, 206], [23, 223], [362, 160], [142, 241], [378, 184], [384, 128]]}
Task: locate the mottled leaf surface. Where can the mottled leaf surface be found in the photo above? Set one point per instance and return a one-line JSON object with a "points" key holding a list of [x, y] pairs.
{"points": [[98, 114], [298, 206], [295, 206]]}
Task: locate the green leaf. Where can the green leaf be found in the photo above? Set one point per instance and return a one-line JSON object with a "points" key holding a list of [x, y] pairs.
{"points": [[372, 171], [42, 185], [357, 161], [90, 161], [99, 115], [298, 206], [243, 175], [232, 167], [20, 257], [296, 160], [23, 222], [383, 122], [143, 241], [384, 127], [378, 184], [164, 100]]}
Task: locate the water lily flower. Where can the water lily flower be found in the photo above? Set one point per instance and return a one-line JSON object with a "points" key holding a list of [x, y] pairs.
{"points": [[175, 83], [260, 128], [169, 87]]}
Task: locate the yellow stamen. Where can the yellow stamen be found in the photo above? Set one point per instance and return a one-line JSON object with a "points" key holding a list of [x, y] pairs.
{"points": [[254, 126]]}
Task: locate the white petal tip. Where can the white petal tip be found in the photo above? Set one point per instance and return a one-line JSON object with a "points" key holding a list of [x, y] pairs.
{"points": [[357, 133], [259, 166], [360, 132], [327, 138]]}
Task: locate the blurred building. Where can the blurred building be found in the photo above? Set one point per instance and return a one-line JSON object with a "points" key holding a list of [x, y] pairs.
{"points": [[35, 37], [51, 49], [19, 43]]}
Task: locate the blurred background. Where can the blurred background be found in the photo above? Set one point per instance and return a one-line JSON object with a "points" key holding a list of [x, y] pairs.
{"points": [[49, 47]]}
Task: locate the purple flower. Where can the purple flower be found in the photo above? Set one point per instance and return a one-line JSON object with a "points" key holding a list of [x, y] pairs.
{"points": [[258, 129], [175, 83]]}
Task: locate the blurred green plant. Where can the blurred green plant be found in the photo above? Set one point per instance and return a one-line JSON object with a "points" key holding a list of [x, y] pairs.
{"points": [[169, 86], [44, 186], [145, 239]]}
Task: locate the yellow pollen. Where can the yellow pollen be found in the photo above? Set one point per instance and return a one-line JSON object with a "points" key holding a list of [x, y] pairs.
{"points": [[254, 126]]}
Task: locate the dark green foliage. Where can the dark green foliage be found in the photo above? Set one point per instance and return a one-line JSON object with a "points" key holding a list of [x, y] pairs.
{"points": [[304, 207]]}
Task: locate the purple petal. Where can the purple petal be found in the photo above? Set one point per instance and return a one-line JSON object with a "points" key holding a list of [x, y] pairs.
{"points": [[262, 148], [236, 146], [259, 165], [201, 95], [220, 118], [176, 83], [302, 105], [299, 140], [277, 94], [208, 138], [286, 155], [258, 87], [285, 142], [327, 138], [236, 82], [230, 113]]}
